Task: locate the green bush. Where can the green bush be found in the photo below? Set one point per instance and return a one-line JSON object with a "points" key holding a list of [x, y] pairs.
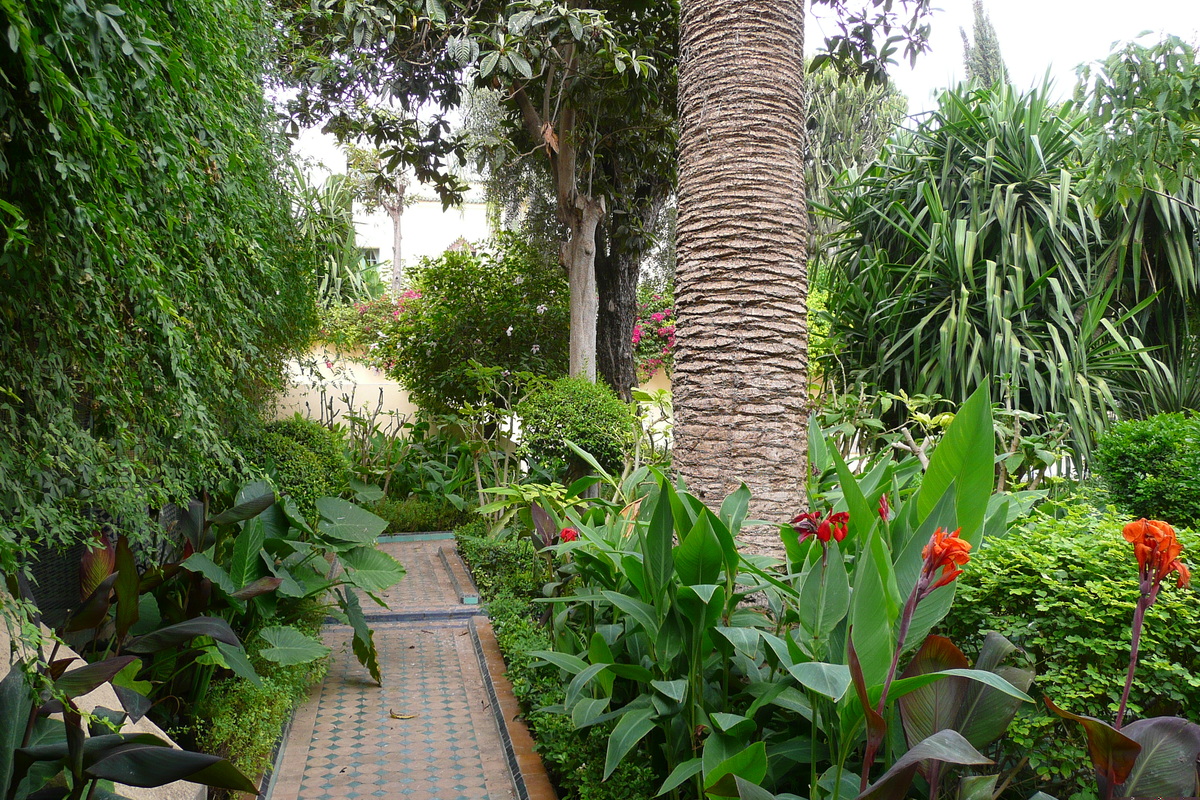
{"points": [[294, 469], [243, 722], [509, 573], [418, 514], [1064, 589], [502, 567], [588, 414], [323, 443], [1152, 467], [501, 306]]}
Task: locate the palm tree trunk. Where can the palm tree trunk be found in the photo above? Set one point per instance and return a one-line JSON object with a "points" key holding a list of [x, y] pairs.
{"points": [[740, 381]]}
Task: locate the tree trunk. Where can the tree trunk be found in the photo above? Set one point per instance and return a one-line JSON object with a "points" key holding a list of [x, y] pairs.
{"points": [[616, 284], [579, 257], [740, 378], [396, 212]]}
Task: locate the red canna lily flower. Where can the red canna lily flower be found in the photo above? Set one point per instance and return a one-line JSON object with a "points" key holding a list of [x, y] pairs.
{"points": [[809, 523], [568, 534], [885, 511], [945, 552], [1157, 551]]}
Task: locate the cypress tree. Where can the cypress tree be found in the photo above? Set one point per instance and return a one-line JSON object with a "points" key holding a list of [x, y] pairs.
{"points": [[982, 57]]}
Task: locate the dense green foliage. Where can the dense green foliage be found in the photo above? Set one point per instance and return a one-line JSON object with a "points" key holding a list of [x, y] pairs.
{"points": [[500, 306], [587, 414], [154, 280], [509, 575], [242, 721], [970, 256], [1152, 467], [1064, 589], [322, 442], [293, 467], [414, 514], [981, 54]]}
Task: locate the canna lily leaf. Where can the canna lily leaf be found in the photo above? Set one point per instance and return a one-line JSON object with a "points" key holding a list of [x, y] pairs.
{"points": [[1167, 766], [682, 772], [96, 564], [831, 680], [148, 765], [1113, 753], [94, 608], [947, 746], [629, 730], [182, 632], [127, 587], [935, 707], [259, 587], [81, 681], [247, 507], [750, 764]]}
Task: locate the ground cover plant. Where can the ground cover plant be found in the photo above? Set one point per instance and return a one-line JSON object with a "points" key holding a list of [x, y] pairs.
{"points": [[1064, 587]]}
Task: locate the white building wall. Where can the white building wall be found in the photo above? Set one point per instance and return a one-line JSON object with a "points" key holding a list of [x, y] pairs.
{"points": [[425, 229]]}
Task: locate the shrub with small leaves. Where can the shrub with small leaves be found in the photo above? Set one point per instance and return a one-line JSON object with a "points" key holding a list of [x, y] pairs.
{"points": [[1152, 467], [326, 445], [294, 469], [574, 409], [1064, 589]]}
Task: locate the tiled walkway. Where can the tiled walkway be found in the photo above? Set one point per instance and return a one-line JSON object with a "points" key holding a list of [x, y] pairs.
{"points": [[432, 731]]}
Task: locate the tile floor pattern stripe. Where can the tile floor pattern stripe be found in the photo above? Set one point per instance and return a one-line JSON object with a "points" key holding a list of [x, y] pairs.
{"points": [[429, 733]]}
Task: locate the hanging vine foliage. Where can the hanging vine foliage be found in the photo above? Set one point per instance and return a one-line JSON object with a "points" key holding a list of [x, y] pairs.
{"points": [[153, 278]]}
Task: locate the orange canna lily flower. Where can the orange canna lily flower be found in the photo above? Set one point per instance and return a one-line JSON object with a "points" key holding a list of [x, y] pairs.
{"points": [[1157, 551], [945, 552]]}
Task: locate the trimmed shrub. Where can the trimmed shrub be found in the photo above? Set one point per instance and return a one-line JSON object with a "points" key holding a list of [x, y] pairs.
{"points": [[418, 514], [1064, 589], [293, 468], [323, 443], [588, 414], [1152, 467]]}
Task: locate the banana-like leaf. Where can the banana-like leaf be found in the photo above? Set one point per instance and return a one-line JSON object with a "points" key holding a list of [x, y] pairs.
{"points": [[183, 632], [945, 746], [630, 729], [1113, 753], [94, 609], [750, 764], [127, 587], [96, 565], [935, 707], [1167, 765], [247, 507], [82, 680], [148, 765]]}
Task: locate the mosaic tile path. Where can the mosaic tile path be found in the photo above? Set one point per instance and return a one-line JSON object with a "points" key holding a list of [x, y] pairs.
{"points": [[431, 732]]}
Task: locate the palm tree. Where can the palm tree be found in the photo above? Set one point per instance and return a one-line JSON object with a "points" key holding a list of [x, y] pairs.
{"points": [[741, 361]]}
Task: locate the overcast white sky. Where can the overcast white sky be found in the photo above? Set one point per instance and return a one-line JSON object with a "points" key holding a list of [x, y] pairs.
{"points": [[1035, 35]]}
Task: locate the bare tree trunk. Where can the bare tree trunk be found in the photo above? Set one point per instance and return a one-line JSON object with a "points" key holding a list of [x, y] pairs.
{"points": [[579, 257], [616, 284], [740, 379], [396, 212]]}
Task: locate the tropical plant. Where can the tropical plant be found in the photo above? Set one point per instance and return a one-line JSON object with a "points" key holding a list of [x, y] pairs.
{"points": [[655, 637], [574, 410], [325, 212], [1149, 757], [970, 256]]}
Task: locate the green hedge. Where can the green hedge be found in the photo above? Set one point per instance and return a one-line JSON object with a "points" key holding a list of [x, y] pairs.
{"points": [[1152, 467], [294, 469], [1064, 589], [509, 573], [326, 445], [418, 514], [585, 413]]}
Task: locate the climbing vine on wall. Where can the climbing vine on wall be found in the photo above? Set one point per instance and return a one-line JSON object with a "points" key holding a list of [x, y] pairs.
{"points": [[153, 280]]}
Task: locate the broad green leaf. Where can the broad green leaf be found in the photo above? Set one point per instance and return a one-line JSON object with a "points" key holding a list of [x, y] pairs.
{"points": [[830, 680], [977, 787], [371, 570], [684, 771], [698, 559], [235, 658], [750, 764], [657, 541], [365, 492], [126, 587], [639, 611], [825, 594], [289, 646], [82, 680], [15, 703], [903, 686], [964, 457], [676, 690], [734, 508], [564, 661], [206, 567], [344, 521], [587, 710], [247, 506], [363, 642], [862, 517], [629, 730], [871, 615], [246, 566], [732, 724]]}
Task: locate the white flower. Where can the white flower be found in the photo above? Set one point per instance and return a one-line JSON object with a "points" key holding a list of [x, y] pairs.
{"points": [[509, 331], [537, 348], [519, 280], [541, 309]]}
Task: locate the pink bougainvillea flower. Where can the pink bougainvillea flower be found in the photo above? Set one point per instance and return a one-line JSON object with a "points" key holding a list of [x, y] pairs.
{"points": [[568, 534]]}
